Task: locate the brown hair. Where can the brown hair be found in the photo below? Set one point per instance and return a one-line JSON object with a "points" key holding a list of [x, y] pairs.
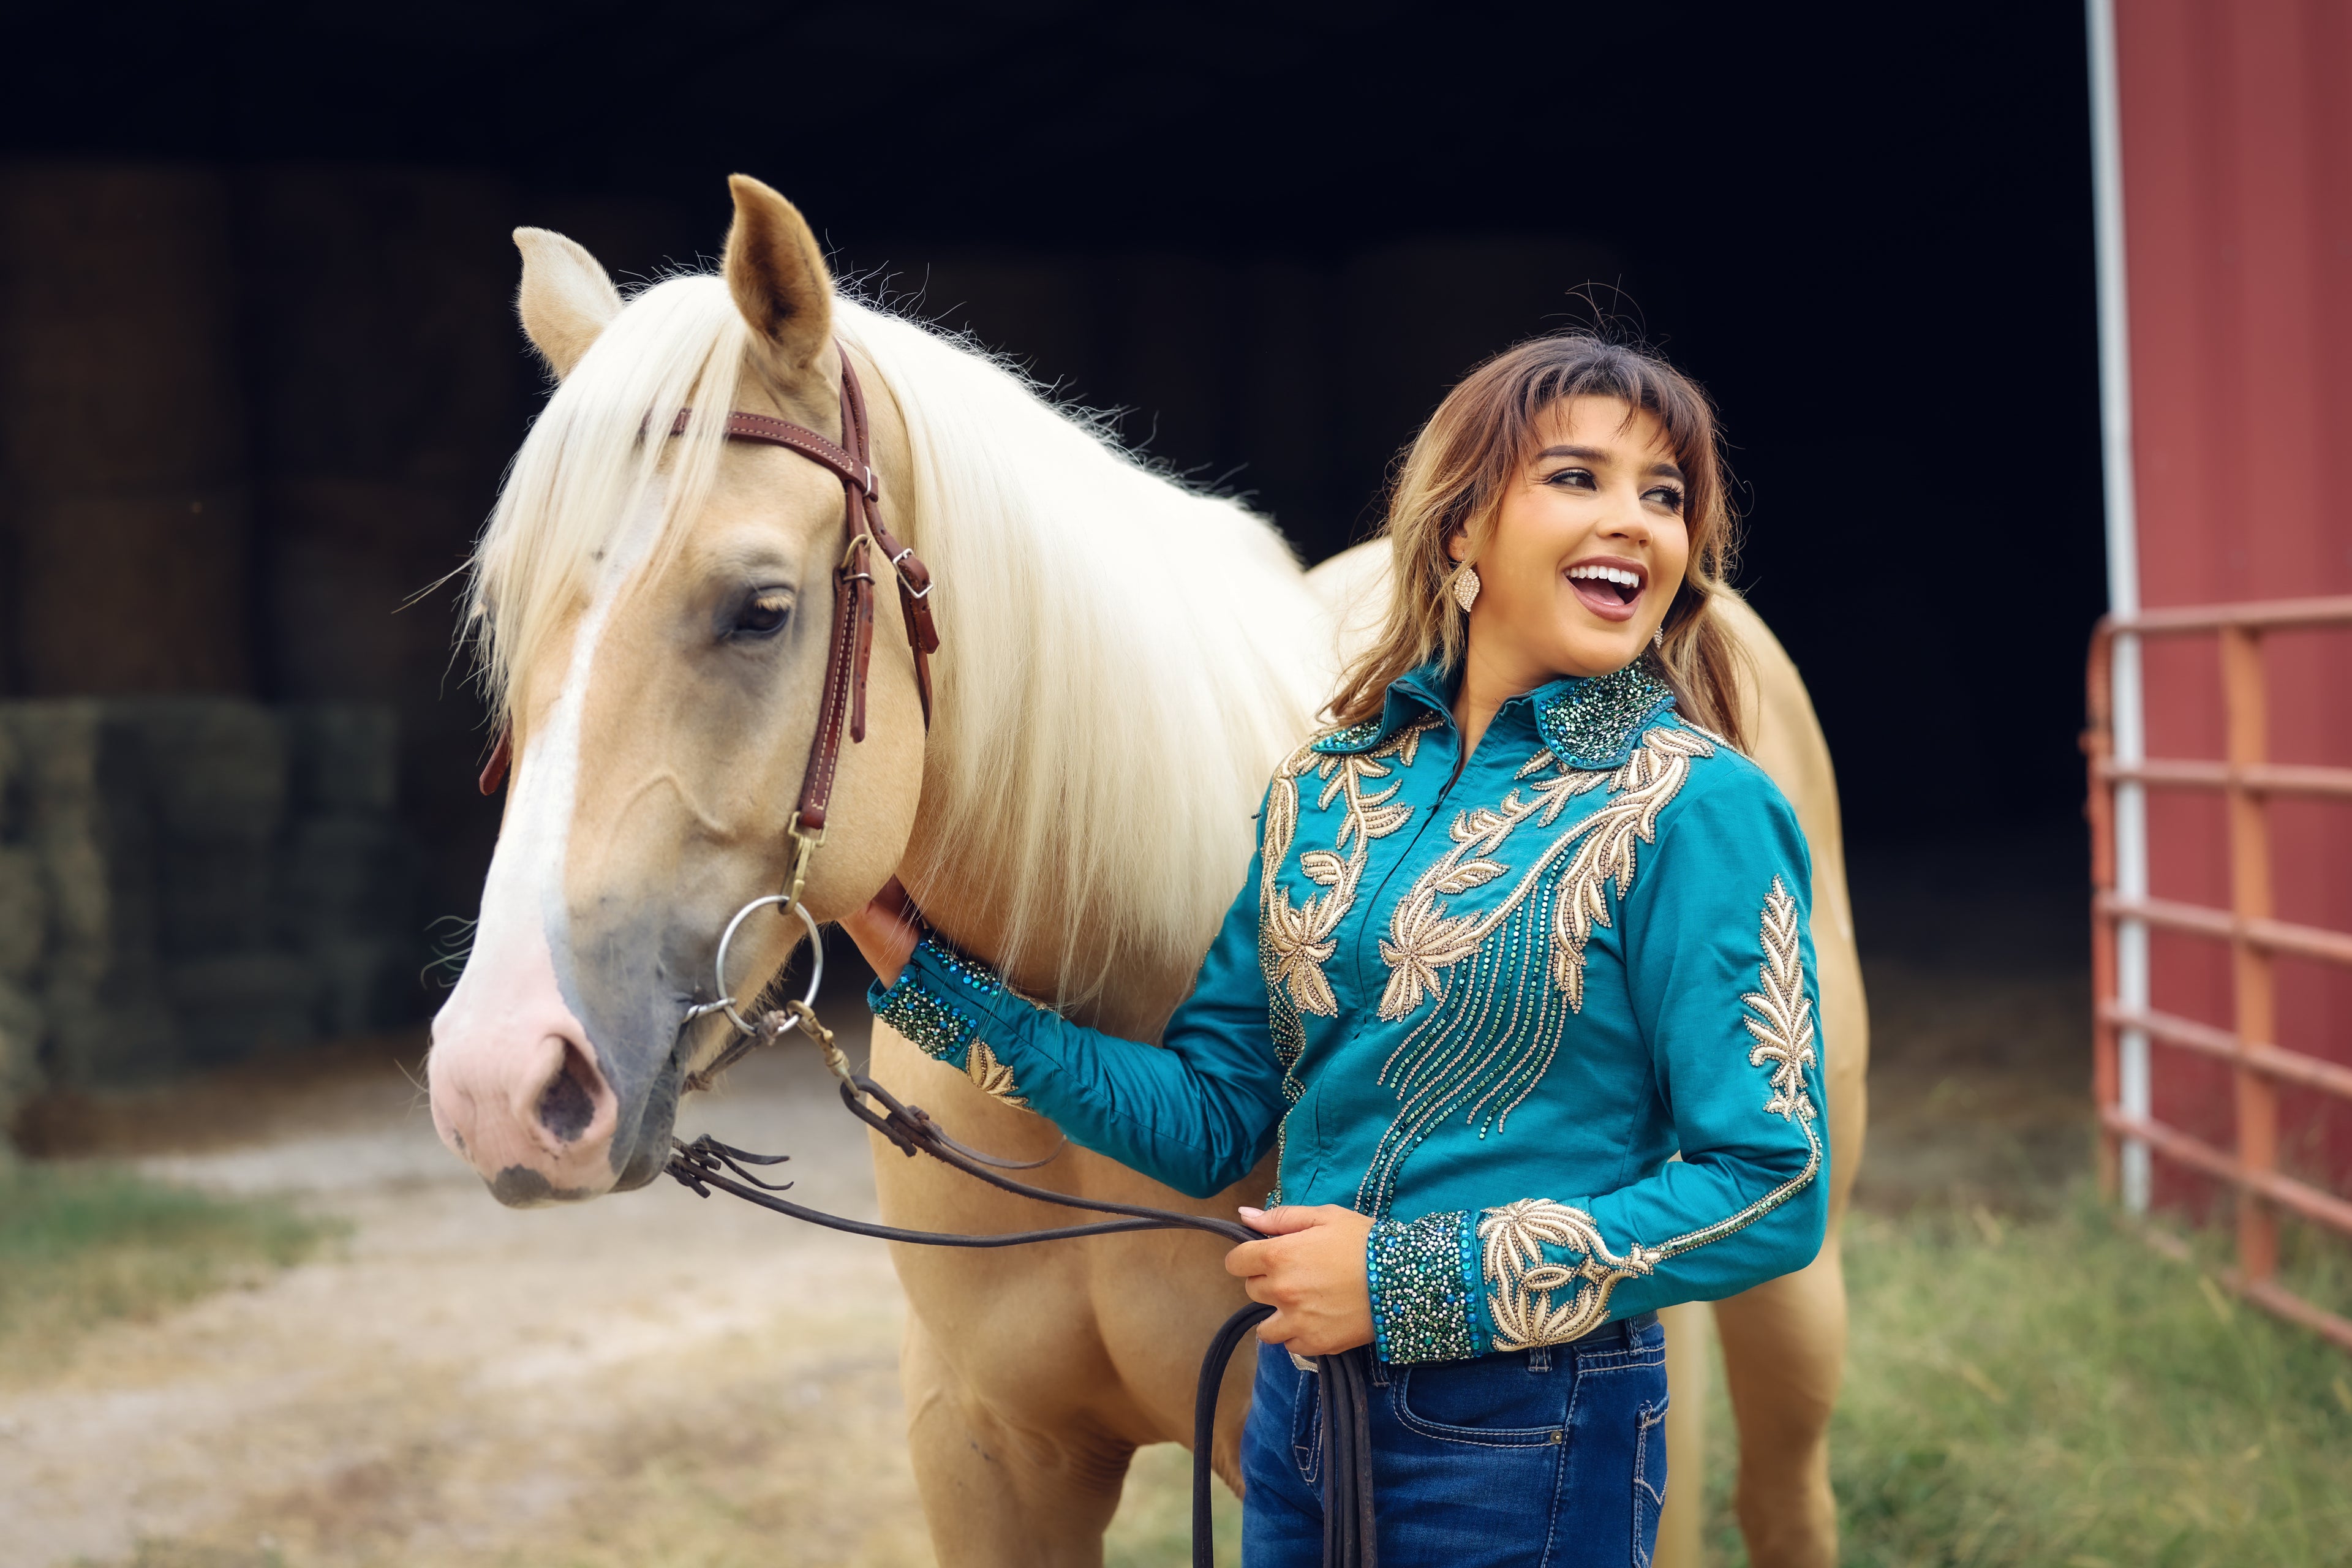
{"points": [[1453, 477]]}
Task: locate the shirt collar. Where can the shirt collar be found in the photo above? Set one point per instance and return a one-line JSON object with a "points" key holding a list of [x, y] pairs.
{"points": [[1588, 722]]}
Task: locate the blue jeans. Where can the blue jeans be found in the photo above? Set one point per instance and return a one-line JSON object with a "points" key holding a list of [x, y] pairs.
{"points": [[1546, 1459]]}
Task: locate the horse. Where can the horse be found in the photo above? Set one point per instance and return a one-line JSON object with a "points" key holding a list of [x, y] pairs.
{"points": [[1123, 662]]}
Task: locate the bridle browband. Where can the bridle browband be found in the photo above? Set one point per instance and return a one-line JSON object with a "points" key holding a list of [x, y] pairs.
{"points": [[850, 650]]}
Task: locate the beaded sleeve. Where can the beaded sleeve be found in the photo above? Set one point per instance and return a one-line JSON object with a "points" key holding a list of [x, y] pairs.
{"points": [[1196, 1112]]}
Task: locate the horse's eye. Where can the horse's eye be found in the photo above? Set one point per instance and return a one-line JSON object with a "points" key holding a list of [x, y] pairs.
{"points": [[764, 614]]}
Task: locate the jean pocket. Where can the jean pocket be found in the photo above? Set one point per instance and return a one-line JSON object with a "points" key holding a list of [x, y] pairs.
{"points": [[1495, 1401], [1649, 1478], [1306, 1424]]}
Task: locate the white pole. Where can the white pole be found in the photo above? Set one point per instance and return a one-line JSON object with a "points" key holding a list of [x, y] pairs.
{"points": [[2122, 574]]}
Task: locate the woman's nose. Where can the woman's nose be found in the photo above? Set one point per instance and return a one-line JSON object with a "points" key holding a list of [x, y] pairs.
{"points": [[1626, 520]]}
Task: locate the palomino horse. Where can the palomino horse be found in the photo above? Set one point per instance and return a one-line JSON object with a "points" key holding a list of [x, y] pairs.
{"points": [[1124, 662]]}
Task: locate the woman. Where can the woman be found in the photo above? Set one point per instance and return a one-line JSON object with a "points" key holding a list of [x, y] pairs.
{"points": [[1522, 927]]}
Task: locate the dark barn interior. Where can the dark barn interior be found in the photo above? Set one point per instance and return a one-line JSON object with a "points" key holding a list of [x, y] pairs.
{"points": [[259, 372]]}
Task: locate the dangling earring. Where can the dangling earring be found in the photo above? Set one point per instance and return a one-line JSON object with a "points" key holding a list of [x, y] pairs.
{"points": [[1465, 588], [1658, 636]]}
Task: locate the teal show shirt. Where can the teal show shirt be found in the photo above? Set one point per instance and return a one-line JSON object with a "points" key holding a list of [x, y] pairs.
{"points": [[1489, 1009]]}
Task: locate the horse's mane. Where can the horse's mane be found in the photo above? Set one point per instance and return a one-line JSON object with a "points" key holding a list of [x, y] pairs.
{"points": [[1124, 659]]}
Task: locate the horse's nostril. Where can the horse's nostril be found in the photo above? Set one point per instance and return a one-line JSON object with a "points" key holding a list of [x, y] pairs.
{"points": [[568, 1106]]}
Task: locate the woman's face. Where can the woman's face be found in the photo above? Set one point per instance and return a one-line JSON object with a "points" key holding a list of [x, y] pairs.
{"points": [[1587, 549]]}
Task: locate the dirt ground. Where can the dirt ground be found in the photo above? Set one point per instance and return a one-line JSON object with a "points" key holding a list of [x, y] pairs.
{"points": [[658, 1379], [462, 1384]]}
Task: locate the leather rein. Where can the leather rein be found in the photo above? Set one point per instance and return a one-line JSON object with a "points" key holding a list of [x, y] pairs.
{"points": [[705, 1165]]}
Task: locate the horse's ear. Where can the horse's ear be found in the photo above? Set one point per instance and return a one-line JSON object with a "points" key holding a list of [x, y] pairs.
{"points": [[565, 299], [777, 275]]}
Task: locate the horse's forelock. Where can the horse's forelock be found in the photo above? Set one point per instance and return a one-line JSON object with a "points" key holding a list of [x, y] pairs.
{"points": [[584, 471]]}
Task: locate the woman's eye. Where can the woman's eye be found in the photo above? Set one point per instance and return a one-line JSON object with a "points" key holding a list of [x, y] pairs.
{"points": [[1668, 497], [1572, 478], [763, 615]]}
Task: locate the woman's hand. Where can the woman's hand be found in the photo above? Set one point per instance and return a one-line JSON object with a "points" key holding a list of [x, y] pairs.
{"points": [[1310, 1269], [885, 930]]}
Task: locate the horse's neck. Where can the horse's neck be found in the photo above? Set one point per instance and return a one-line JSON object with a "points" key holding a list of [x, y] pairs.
{"points": [[962, 891]]}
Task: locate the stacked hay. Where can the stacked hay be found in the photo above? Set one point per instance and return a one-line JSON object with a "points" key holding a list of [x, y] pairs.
{"points": [[24, 939], [188, 881]]}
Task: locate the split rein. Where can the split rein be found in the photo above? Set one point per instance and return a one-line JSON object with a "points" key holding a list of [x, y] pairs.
{"points": [[706, 1165]]}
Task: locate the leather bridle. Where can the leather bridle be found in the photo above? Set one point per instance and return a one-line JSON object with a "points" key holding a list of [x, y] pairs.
{"points": [[850, 650]]}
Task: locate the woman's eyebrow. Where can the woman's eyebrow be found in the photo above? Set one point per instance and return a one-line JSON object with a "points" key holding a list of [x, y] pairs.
{"points": [[1597, 455]]}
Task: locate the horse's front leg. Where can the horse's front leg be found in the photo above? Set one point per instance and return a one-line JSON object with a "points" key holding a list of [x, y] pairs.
{"points": [[998, 1493], [1784, 1352]]}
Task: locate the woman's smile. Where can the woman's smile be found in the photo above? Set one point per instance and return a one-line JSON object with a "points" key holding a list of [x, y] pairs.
{"points": [[1611, 586]]}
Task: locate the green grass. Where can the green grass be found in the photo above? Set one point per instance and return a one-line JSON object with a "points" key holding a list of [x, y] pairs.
{"points": [[2043, 1392], [2052, 1391], [80, 1245], [1154, 1527]]}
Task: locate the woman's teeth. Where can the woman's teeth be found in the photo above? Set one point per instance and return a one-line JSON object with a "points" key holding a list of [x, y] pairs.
{"points": [[1627, 584]]}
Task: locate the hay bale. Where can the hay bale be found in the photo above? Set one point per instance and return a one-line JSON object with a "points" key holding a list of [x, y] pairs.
{"points": [[24, 914], [345, 757], [216, 770], [89, 824], [232, 1005], [123, 1032], [194, 879], [364, 983], [21, 1028]]}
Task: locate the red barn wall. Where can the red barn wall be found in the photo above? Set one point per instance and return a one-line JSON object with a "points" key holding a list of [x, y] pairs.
{"points": [[2237, 163]]}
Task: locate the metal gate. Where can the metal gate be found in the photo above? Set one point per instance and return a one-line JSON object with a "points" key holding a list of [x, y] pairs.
{"points": [[2247, 780]]}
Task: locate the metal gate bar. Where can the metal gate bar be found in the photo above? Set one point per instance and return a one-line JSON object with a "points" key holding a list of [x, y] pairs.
{"points": [[2247, 780]]}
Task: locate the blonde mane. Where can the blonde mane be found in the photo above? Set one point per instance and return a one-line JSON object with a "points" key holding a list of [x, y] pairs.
{"points": [[1124, 660]]}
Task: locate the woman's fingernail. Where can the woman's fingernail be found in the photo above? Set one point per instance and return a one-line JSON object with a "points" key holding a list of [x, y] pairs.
{"points": [[1249, 1213]]}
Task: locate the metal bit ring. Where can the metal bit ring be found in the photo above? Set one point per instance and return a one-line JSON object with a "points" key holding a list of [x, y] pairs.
{"points": [[726, 1003]]}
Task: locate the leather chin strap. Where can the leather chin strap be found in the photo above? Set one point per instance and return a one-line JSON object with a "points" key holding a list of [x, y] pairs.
{"points": [[850, 651]]}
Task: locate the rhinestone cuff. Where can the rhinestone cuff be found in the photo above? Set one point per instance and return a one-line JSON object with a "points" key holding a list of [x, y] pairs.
{"points": [[929, 1014], [1424, 1277]]}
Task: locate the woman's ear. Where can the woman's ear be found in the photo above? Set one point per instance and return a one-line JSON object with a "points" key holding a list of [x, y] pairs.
{"points": [[1457, 544]]}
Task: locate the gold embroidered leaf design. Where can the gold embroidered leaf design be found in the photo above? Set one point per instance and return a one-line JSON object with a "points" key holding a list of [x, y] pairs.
{"points": [[1522, 1284], [1781, 1020], [1296, 941], [980, 1065], [1422, 940], [1496, 1013], [1780, 1015], [1468, 875], [1324, 867]]}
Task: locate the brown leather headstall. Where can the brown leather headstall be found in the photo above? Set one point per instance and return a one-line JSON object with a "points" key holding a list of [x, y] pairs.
{"points": [[850, 651]]}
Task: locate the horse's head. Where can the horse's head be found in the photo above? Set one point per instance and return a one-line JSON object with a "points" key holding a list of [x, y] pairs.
{"points": [[658, 612]]}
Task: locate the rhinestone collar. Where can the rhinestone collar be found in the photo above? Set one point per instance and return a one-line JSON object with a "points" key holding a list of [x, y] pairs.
{"points": [[1589, 722]]}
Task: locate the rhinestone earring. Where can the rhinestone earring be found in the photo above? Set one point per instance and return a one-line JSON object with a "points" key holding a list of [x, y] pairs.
{"points": [[1658, 636], [1465, 588]]}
